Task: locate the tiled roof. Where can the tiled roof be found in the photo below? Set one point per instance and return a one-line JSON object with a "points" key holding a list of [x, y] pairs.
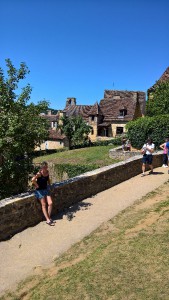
{"points": [[78, 110], [104, 124], [114, 101], [51, 118], [56, 135], [95, 110], [111, 109], [165, 76], [110, 106]]}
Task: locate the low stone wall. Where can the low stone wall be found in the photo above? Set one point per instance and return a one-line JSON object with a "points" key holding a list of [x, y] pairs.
{"points": [[118, 153], [25, 211]]}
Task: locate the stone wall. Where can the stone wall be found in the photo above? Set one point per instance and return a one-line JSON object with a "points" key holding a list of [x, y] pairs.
{"points": [[25, 211], [118, 153]]}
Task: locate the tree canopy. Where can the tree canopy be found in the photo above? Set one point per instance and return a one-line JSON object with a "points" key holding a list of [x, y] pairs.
{"points": [[155, 123], [75, 129], [159, 103], [21, 129]]}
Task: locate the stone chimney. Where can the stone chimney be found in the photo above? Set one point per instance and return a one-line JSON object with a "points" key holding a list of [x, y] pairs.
{"points": [[70, 101], [49, 112]]}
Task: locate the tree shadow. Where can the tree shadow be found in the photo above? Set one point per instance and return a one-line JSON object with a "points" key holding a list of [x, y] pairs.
{"points": [[71, 211]]}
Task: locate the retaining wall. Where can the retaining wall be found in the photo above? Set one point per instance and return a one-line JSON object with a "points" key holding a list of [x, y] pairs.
{"points": [[24, 210]]}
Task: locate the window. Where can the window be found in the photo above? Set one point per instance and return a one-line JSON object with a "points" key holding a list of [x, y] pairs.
{"points": [[123, 112], [92, 118], [54, 124], [119, 130], [92, 131]]}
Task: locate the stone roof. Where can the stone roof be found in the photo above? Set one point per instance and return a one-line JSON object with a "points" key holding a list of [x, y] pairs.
{"points": [[165, 76], [56, 135], [51, 118], [95, 110], [110, 106], [114, 101], [78, 110]]}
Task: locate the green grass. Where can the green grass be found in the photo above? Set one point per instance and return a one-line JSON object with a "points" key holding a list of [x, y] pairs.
{"points": [[86, 156], [125, 258]]}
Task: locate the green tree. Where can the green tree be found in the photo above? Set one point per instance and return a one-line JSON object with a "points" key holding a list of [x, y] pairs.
{"points": [[159, 103], [155, 127], [21, 129], [75, 129]]}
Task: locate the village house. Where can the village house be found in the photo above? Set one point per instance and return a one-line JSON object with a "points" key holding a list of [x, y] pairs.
{"points": [[107, 118], [56, 140]]}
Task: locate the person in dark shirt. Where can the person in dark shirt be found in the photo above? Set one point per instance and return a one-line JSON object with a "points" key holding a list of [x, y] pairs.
{"points": [[41, 181]]}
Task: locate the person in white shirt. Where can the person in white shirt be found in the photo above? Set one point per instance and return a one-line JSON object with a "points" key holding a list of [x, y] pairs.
{"points": [[147, 150]]}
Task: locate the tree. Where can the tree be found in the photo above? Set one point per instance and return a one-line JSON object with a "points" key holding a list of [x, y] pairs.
{"points": [[158, 104], [139, 130], [21, 129], [75, 129]]}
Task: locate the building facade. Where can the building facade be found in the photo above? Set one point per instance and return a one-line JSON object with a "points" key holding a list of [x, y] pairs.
{"points": [[109, 117]]}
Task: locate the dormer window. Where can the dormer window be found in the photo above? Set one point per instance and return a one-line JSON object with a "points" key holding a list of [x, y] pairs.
{"points": [[123, 112]]}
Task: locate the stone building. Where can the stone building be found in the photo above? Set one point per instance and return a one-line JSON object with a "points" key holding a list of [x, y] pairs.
{"points": [[109, 117], [56, 140]]}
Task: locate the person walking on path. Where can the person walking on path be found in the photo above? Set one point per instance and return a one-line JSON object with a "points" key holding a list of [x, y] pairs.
{"points": [[165, 153], [167, 146], [147, 150], [41, 181]]}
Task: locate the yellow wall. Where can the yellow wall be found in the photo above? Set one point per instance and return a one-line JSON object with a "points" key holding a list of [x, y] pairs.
{"points": [[51, 145]]}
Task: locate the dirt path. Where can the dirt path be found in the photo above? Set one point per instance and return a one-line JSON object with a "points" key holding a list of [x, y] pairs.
{"points": [[38, 246]]}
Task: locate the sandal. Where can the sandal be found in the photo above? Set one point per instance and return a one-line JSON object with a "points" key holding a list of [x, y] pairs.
{"points": [[50, 223]]}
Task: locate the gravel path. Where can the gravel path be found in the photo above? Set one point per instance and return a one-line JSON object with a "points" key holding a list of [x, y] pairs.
{"points": [[38, 246]]}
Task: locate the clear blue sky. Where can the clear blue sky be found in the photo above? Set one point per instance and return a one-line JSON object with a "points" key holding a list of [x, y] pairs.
{"points": [[79, 48]]}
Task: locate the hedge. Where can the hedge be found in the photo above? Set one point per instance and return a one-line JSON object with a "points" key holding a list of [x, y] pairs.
{"points": [[155, 127]]}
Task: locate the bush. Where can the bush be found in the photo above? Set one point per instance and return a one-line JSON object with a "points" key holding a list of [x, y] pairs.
{"points": [[115, 142], [155, 127], [72, 170]]}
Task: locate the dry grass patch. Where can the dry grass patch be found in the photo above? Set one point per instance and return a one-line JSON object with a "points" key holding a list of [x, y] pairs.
{"points": [[125, 258]]}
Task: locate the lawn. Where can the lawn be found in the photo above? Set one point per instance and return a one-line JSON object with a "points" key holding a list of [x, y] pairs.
{"points": [[127, 258], [85, 156]]}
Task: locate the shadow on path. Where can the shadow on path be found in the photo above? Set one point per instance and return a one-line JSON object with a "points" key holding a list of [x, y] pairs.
{"points": [[69, 212]]}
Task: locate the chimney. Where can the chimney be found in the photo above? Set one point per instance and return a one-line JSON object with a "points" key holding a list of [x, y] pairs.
{"points": [[70, 101], [49, 112]]}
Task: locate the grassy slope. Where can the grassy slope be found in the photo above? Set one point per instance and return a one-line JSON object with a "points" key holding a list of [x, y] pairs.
{"points": [[125, 258], [92, 155]]}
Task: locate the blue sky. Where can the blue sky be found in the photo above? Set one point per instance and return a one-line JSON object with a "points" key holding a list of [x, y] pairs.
{"points": [[79, 48]]}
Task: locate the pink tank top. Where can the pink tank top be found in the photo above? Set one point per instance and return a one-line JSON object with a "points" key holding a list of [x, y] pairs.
{"points": [[165, 149]]}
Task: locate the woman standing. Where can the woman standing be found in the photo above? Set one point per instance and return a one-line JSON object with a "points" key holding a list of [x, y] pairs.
{"points": [[165, 153], [41, 181], [147, 151]]}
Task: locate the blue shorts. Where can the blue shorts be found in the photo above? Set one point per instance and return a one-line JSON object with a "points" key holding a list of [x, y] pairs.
{"points": [[39, 194], [147, 158]]}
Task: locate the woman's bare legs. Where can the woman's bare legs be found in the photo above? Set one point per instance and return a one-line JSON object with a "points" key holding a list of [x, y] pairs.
{"points": [[151, 167], [143, 168], [44, 209], [49, 202]]}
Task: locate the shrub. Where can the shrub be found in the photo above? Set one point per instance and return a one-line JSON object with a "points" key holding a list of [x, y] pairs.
{"points": [[155, 127]]}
